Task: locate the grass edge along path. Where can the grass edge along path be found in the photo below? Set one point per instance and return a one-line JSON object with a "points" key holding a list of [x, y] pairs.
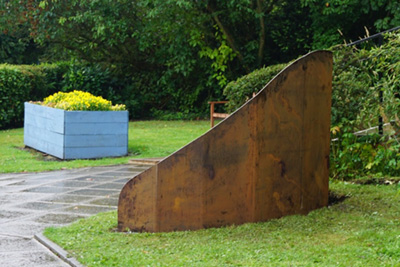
{"points": [[362, 230], [147, 139]]}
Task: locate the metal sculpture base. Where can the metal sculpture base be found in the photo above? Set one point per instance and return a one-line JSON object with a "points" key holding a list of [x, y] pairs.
{"points": [[268, 159]]}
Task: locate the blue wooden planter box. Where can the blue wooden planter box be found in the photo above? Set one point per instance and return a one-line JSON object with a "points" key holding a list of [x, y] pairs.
{"points": [[76, 134]]}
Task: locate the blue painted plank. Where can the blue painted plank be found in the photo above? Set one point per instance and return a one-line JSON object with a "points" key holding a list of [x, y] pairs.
{"points": [[41, 134], [45, 147], [43, 111], [96, 116], [53, 125], [95, 152], [47, 142], [96, 128], [114, 140], [43, 140]]}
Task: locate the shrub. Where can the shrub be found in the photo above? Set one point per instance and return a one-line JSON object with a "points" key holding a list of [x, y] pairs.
{"points": [[78, 100], [15, 88], [90, 78], [100, 81], [358, 77], [20, 83], [353, 156], [239, 91]]}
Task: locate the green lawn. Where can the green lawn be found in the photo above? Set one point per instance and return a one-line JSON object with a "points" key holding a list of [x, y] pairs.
{"points": [[363, 230], [146, 139]]}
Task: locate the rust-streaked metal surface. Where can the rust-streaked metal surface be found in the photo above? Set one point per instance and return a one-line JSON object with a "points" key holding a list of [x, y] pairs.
{"points": [[268, 159]]}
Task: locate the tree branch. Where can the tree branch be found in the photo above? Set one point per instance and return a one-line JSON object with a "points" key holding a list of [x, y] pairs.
{"points": [[229, 37], [261, 43]]}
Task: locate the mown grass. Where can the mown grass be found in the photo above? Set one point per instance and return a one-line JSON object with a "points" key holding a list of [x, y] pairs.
{"points": [[363, 230], [147, 139]]}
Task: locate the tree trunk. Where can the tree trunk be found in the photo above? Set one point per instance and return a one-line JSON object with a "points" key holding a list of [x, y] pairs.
{"points": [[228, 35], [261, 43]]}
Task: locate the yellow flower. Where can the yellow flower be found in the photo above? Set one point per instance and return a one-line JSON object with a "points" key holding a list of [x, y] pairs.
{"points": [[78, 100]]}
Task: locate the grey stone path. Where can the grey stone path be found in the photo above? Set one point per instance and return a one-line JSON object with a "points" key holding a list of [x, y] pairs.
{"points": [[30, 202]]}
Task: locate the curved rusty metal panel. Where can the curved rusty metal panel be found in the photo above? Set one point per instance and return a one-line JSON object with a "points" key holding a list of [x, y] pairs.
{"points": [[268, 159]]}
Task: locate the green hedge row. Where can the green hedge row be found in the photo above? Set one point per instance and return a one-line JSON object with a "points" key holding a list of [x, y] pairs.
{"points": [[20, 83]]}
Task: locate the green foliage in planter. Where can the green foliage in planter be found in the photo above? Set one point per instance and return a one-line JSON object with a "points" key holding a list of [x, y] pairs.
{"points": [[78, 100]]}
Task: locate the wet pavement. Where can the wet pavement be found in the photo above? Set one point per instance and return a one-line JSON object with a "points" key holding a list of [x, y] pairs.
{"points": [[30, 202]]}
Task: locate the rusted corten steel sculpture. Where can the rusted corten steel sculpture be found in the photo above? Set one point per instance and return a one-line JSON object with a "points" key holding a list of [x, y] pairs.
{"points": [[268, 159]]}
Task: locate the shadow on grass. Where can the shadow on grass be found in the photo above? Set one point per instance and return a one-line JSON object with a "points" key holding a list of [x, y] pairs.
{"points": [[335, 198]]}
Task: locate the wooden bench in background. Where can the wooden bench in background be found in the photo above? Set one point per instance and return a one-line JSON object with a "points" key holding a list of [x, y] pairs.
{"points": [[215, 114]]}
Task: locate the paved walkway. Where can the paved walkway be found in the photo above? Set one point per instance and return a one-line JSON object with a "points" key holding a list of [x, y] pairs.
{"points": [[33, 201]]}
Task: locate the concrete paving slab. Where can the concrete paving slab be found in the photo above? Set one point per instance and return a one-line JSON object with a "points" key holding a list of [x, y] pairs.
{"points": [[105, 202], [13, 244], [92, 192], [65, 198], [58, 218], [88, 209], [12, 215], [95, 179], [25, 229], [48, 189], [30, 202], [114, 174], [72, 184], [111, 186], [41, 206], [11, 198], [41, 258]]}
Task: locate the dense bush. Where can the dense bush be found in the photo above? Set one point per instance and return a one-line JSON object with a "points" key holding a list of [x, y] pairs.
{"points": [[118, 88], [239, 91], [358, 77], [353, 156], [19, 84], [143, 96], [14, 90]]}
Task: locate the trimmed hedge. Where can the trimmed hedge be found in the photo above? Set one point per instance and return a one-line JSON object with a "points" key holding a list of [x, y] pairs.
{"points": [[239, 91], [20, 83]]}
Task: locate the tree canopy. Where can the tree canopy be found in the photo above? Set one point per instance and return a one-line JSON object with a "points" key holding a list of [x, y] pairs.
{"points": [[181, 53]]}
